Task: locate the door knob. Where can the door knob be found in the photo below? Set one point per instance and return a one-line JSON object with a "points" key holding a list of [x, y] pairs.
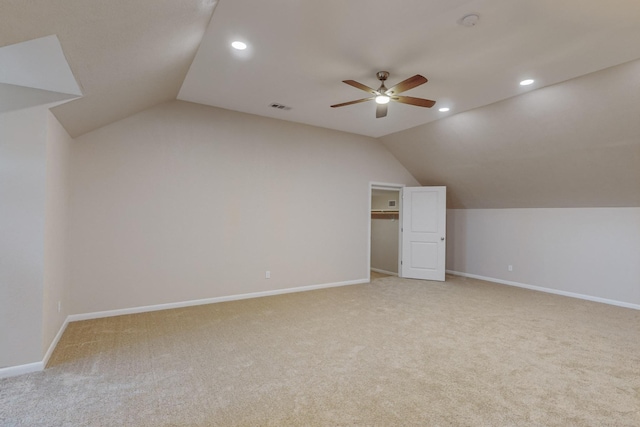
{"points": [[442, 238]]}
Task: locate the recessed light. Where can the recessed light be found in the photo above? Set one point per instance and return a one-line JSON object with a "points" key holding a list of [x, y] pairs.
{"points": [[382, 99], [443, 109], [526, 82], [239, 45]]}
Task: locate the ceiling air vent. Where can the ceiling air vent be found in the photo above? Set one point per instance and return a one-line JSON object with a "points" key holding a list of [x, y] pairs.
{"points": [[279, 106]]}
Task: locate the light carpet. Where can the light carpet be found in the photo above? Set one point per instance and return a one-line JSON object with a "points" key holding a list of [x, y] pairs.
{"points": [[394, 352]]}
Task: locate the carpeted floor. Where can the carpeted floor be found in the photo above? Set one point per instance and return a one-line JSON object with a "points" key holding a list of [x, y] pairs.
{"points": [[394, 352], [375, 275]]}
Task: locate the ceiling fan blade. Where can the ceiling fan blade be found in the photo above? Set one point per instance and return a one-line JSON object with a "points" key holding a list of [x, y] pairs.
{"points": [[420, 102], [357, 101], [407, 84], [360, 86], [381, 110]]}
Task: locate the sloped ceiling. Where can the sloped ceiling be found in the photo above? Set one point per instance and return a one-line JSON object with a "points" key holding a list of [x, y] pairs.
{"points": [[35, 72], [129, 55], [575, 144], [299, 53], [126, 55], [571, 139]]}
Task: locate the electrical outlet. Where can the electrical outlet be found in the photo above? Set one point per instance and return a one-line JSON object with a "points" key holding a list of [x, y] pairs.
{"points": [[267, 275], [510, 268]]}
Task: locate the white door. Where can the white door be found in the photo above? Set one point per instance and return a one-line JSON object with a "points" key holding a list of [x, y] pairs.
{"points": [[424, 216]]}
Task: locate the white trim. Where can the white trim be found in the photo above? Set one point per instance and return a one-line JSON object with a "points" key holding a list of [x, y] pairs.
{"points": [[548, 290], [54, 343], [157, 307], [13, 371], [390, 273], [386, 185]]}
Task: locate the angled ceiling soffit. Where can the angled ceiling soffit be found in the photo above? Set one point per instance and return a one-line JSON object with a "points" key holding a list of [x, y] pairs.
{"points": [[35, 72]]}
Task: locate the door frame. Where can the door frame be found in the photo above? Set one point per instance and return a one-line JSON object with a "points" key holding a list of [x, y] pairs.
{"points": [[389, 187]]}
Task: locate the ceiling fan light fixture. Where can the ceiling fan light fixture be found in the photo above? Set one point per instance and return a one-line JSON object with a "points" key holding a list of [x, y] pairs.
{"points": [[382, 96]]}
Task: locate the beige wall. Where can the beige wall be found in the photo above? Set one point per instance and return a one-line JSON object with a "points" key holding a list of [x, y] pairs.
{"points": [[385, 233], [384, 245], [588, 251], [22, 201], [56, 283], [381, 201], [183, 202]]}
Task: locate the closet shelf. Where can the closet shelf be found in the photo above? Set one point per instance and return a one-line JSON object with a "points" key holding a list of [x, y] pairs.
{"points": [[384, 214]]}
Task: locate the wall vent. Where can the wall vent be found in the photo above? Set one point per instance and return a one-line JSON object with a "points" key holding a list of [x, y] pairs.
{"points": [[279, 106]]}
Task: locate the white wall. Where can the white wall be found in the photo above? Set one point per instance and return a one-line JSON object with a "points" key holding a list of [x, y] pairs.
{"points": [[56, 282], [184, 202], [588, 251], [22, 201]]}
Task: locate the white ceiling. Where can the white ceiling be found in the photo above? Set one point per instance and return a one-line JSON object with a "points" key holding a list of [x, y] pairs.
{"points": [[35, 72], [125, 55], [39, 64], [128, 56], [299, 52]]}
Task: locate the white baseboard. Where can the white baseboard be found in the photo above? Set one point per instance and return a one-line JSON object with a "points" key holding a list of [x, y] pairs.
{"points": [[13, 371], [548, 290], [54, 343], [157, 307], [378, 270]]}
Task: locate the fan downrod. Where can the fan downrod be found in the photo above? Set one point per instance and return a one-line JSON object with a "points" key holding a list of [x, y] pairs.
{"points": [[382, 76]]}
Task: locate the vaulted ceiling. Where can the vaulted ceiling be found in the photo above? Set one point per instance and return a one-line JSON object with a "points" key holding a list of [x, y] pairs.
{"points": [[127, 56], [575, 144], [299, 53]]}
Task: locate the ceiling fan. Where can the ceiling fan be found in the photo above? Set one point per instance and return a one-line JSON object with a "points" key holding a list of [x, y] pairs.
{"points": [[382, 95]]}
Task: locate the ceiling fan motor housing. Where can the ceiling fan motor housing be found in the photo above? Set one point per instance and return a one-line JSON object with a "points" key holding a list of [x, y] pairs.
{"points": [[382, 75]]}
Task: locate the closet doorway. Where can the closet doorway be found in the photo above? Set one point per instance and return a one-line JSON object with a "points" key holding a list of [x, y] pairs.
{"points": [[385, 242]]}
